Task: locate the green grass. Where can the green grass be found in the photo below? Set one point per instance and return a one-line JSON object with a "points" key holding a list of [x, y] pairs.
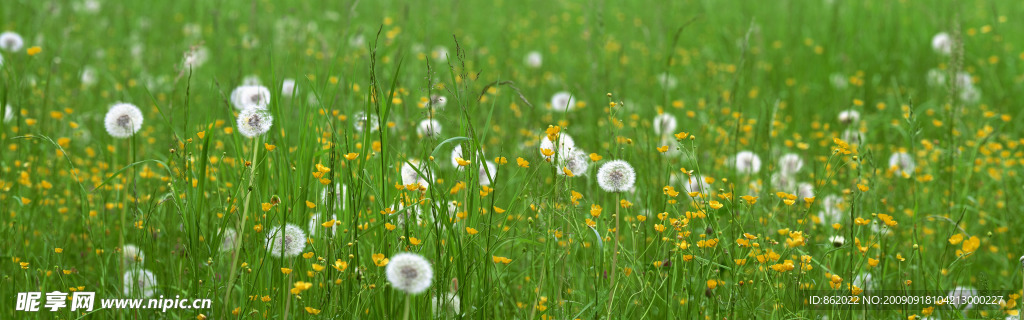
{"points": [[752, 76]]}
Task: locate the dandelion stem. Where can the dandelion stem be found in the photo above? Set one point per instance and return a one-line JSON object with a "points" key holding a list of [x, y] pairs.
{"points": [[241, 224], [615, 255], [408, 303]]}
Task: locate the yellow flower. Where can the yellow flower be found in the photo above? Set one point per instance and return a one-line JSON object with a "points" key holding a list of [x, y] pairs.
{"points": [[310, 310], [502, 260], [328, 224], [286, 270], [471, 231], [522, 162], [715, 204], [663, 149], [269, 147], [595, 157], [351, 156], [379, 259], [567, 172], [462, 162], [34, 50]]}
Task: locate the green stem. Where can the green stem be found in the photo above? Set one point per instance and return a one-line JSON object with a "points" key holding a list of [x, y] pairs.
{"points": [[615, 256], [408, 303], [240, 228]]}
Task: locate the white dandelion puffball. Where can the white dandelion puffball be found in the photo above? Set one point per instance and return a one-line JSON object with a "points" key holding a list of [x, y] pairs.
{"points": [[409, 273], [123, 120], [250, 96], [287, 242], [852, 136], [139, 283], [665, 124], [935, 78], [488, 171], [838, 81], [667, 81], [11, 41], [902, 163], [88, 77], [942, 43], [316, 223], [364, 121], [8, 114], [228, 241], [837, 241], [697, 183], [533, 59], [440, 53], [790, 164], [456, 154], [195, 57], [565, 146], [616, 176], [784, 182], [410, 176], [438, 102], [447, 306], [804, 190], [747, 162], [357, 41], [288, 87], [253, 122], [959, 294], [563, 102], [849, 116], [577, 162], [863, 281], [131, 255], [970, 95], [832, 209], [428, 128]]}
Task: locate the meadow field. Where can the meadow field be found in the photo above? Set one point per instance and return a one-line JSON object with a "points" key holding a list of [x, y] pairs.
{"points": [[501, 159]]}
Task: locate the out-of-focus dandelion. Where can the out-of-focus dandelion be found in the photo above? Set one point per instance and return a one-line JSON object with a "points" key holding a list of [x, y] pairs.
{"points": [[363, 121], [533, 59], [410, 176], [11, 41], [250, 96], [131, 255], [288, 88], [195, 57], [576, 162], [229, 241], [790, 164], [488, 171], [849, 117], [139, 283], [286, 242], [428, 128], [961, 296], [665, 124], [565, 146], [317, 222], [942, 43], [902, 164], [747, 162], [563, 102], [667, 81]]}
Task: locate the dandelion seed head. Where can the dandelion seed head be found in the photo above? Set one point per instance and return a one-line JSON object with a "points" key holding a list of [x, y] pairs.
{"points": [[563, 102], [316, 223], [565, 146], [616, 176], [665, 124], [790, 164], [961, 294], [488, 171], [11, 41], [253, 122], [195, 57], [229, 241], [747, 162], [123, 120], [533, 59], [942, 43], [428, 128], [364, 121], [131, 255], [250, 96], [577, 162], [288, 88], [446, 306], [410, 176], [902, 164], [438, 102], [285, 242], [409, 273], [849, 117], [139, 283], [667, 81]]}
